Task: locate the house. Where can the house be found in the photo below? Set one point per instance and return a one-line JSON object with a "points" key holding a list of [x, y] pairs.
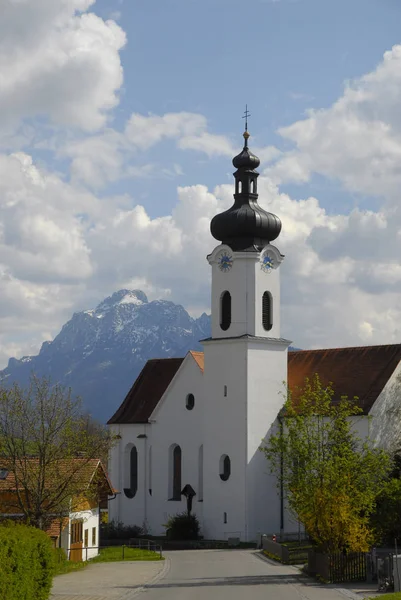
{"points": [[200, 420], [76, 528]]}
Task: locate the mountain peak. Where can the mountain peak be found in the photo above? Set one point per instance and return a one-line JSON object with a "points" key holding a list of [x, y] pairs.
{"points": [[136, 297]]}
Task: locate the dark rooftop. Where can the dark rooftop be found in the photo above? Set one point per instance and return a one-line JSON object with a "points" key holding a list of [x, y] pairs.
{"points": [[362, 371]]}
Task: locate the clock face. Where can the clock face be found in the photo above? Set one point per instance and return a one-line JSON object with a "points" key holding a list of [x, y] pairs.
{"points": [[266, 263], [225, 262]]}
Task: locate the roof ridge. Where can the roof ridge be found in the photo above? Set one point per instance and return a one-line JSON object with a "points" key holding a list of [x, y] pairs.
{"points": [[345, 348]]}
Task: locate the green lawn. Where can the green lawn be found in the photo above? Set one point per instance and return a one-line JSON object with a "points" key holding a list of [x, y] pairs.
{"points": [[115, 553], [396, 596], [66, 566]]}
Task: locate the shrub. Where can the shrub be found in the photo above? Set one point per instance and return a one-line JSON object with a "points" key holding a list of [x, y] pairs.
{"points": [[117, 530], [183, 527], [26, 563]]}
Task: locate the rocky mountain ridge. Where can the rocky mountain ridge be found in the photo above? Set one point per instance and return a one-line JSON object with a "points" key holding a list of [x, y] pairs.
{"points": [[100, 352]]}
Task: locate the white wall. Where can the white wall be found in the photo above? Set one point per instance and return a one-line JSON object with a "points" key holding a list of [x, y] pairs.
{"points": [[171, 424], [174, 424], [267, 376], [386, 414], [224, 423], [90, 520], [130, 511]]}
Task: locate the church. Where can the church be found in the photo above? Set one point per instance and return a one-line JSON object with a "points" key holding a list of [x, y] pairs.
{"points": [[199, 420]]}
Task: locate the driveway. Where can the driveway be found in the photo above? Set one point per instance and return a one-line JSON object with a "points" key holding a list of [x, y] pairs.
{"points": [[194, 575]]}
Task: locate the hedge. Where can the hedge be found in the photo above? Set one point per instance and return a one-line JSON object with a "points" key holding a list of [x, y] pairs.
{"points": [[26, 563]]}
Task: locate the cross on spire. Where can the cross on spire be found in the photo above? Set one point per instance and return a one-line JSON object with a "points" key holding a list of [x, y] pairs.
{"points": [[246, 115]]}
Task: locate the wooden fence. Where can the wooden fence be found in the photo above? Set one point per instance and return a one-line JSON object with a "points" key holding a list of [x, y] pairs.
{"points": [[338, 568], [292, 554]]}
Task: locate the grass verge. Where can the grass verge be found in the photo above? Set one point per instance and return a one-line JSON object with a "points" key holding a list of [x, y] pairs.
{"points": [[395, 596], [113, 554]]}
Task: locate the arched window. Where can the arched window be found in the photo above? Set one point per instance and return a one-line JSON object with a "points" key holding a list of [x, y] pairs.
{"points": [[200, 475], [267, 311], [175, 460], [190, 401], [225, 310], [150, 470], [131, 460], [225, 467], [240, 186]]}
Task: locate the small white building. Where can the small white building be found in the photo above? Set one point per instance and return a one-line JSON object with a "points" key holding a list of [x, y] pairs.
{"points": [[76, 530], [200, 420]]}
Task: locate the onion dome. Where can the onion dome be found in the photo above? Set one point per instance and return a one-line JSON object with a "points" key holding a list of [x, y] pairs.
{"points": [[245, 226]]}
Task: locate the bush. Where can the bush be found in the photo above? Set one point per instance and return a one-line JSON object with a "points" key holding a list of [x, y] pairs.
{"points": [[117, 530], [26, 563], [183, 527]]}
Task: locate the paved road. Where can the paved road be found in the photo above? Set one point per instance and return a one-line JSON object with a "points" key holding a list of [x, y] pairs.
{"points": [[194, 575], [232, 575], [107, 581]]}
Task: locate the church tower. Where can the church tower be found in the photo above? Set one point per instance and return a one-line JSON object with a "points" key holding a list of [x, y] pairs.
{"points": [[245, 363]]}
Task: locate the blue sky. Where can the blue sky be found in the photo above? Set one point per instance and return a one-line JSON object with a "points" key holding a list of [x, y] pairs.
{"points": [[212, 57], [118, 123]]}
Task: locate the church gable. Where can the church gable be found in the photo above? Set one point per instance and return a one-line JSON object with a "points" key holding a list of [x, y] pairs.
{"points": [[147, 391], [182, 396]]}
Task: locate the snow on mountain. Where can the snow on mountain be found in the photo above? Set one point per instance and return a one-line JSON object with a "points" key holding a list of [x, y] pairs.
{"points": [[100, 352]]}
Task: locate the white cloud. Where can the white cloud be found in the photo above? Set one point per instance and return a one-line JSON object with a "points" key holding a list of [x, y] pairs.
{"points": [[62, 248], [58, 61], [356, 140]]}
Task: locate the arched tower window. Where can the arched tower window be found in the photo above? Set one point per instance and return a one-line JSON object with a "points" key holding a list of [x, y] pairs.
{"points": [[267, 311], [225, 467], [225, 310], [175, 467], [200, 474], [131, 471]]}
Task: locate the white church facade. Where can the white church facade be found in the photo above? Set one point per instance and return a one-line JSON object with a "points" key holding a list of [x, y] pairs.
{"points": [[200, 420]]}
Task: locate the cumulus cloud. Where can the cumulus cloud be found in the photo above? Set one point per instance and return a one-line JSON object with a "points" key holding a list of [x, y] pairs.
{"points": [[357, 140], [58, 61], [63, 248]]}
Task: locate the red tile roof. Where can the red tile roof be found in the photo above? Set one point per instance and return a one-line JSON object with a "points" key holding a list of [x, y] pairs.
{"points": [[359, 371], [82, 470], [56, 527], [147, 390]]}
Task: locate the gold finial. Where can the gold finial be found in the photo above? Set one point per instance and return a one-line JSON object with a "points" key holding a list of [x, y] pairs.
{"points": [[246, 134]]}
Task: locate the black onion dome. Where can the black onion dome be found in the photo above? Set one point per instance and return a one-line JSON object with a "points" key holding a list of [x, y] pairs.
{"points": [[246, 159], [245, 226]]}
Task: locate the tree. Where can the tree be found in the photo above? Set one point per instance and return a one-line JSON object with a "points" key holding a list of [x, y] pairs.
{"points": [[330, 477], [47, 444], [386, 519]]}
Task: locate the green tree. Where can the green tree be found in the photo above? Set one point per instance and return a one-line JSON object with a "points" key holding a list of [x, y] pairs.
{"points": [[386, 519], [330, 477], [47, 444]]}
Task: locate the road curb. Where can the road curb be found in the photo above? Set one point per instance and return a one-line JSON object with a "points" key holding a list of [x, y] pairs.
{"points": [[349, 594], [155, 579]]}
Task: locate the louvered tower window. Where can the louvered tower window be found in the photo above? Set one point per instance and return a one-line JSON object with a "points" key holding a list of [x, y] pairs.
{"points": [[267, 311], [225, 311]]}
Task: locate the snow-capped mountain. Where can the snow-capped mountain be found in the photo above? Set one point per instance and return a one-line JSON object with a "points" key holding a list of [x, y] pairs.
{"points": [[99, 353]]}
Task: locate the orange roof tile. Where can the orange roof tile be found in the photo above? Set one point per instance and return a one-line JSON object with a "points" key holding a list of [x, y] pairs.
{"points": [[55, 527], [199, 358], [361, 371], [83, 474]]}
